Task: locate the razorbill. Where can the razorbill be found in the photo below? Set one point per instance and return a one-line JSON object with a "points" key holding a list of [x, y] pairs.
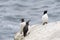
{"points": [[25, 29], [45, 18], [22, 24]]}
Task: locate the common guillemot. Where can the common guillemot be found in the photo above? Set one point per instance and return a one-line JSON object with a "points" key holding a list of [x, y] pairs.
{"points": [[45, 18], [25, 29], [22, 24]]}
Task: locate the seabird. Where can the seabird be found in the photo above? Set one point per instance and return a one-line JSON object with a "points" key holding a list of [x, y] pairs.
{"points": [[22, 24], [45, 18], [25, 29]]}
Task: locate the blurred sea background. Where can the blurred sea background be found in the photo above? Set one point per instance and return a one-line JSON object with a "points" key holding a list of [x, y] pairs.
{"points": [[11, 11]]}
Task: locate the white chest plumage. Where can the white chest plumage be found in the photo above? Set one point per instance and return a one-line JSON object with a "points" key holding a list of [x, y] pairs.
{"points": [[22, 26], [45, 18]]}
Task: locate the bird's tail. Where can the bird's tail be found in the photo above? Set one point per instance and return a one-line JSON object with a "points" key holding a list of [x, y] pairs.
{"points": [[24, 34]]}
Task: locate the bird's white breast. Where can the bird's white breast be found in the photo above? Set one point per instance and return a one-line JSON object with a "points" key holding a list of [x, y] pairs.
{"points": [[45, 18], [22, 26]]}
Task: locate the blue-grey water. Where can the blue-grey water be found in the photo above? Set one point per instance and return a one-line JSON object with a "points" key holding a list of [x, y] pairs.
{"points": [[11, 11]]}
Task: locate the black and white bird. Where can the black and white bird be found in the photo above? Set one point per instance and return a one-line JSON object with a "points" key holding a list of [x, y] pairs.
{"points": [[26, 29], [19, 35], [22, 24], [45, 18]]}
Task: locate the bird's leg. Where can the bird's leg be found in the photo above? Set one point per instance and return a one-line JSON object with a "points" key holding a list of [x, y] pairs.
{"points": [[44, 23]]}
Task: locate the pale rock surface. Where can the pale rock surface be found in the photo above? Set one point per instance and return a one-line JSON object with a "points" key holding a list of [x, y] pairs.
{"points": [[50, 31]]}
